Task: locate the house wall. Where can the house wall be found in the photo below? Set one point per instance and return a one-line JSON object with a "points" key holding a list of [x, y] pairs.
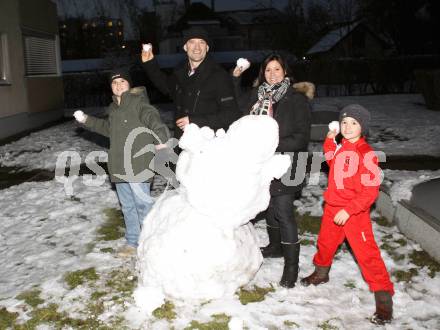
{"points": [[13, 98], [28, 101]]}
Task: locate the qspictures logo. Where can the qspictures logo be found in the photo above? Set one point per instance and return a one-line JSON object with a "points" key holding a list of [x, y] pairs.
{"points": [[346, 164]]}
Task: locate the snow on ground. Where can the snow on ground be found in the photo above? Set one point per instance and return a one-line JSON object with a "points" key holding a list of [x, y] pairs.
{"points": [[46, 236], [401, 183], [40, 150], [400, 124], [44, 233]]}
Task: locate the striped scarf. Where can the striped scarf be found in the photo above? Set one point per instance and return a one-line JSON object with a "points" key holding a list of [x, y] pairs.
{"points": [[268, 95]]}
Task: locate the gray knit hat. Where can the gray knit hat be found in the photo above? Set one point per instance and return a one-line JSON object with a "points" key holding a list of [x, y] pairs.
{"points": [[359, 113]]}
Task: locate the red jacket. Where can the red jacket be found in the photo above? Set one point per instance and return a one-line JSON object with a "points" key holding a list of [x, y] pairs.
{"points": [[354, 177]]}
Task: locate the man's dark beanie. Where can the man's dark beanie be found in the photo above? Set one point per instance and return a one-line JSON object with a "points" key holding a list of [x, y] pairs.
{"points": [[120, 73], [359, 113], [196, 32]]}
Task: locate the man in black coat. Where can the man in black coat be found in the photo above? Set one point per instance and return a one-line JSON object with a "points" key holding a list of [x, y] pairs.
{"points": [[201, 89]]}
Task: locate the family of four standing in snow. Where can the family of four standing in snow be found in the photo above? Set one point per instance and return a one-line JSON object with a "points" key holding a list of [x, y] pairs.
{"points": [[205, 94]]}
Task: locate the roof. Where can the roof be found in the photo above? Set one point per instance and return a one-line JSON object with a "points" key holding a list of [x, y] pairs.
{"points": [[331, 39]]}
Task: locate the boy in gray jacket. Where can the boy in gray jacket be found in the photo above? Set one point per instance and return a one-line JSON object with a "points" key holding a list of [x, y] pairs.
{"points": [[132, 125]]}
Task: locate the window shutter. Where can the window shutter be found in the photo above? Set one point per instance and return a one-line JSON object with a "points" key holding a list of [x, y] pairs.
{"points": [[40, 56]]}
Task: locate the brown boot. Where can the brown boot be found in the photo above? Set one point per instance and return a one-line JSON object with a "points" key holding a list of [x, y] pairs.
{"points": [[384, 308], [319, 276]]}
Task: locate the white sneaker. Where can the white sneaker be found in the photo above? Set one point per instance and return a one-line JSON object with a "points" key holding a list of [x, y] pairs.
{"points": [[126, 251]]}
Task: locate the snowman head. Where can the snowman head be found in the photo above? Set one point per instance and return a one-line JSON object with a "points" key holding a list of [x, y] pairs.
{"points": [[226, 176]]}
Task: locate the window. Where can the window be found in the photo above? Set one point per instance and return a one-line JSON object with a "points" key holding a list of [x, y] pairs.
{"points": [[40, 54], [4, 60]]}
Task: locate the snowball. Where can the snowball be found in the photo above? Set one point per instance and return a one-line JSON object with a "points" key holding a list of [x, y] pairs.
{"points": [[334, 126], [243, 63], [79, 116], [146, 47]]}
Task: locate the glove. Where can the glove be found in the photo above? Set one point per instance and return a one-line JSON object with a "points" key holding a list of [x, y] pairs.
{"points": [[80, 116]]}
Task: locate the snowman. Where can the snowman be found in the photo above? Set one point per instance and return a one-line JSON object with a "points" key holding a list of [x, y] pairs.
{"points": [[197, 243]]}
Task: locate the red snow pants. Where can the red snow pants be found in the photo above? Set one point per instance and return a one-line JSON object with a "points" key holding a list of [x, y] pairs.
{"points": [[359, 233]]}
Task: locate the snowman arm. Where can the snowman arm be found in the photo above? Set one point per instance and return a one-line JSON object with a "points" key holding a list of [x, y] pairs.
{"points": [[275, 168]]}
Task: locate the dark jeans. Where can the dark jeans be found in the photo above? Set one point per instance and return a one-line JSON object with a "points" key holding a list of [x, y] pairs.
{"points": [[280, 214]]}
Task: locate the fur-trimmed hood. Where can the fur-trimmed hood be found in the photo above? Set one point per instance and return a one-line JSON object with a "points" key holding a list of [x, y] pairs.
{"points": [[140, 90], [305, 87]]}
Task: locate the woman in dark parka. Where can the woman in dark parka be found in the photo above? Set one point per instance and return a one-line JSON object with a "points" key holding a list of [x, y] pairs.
{"points": [[274, 96]]}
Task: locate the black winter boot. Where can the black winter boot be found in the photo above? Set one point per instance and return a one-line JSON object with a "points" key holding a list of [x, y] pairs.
{"points": [[319, 276], [291, 264], [384, 308], [273, 250]]}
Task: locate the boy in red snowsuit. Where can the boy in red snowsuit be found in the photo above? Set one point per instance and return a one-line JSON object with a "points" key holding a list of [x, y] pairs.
{"points": [[353, 186]]}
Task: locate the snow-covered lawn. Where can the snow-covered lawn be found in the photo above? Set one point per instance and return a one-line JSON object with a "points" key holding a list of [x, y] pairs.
{"points": [[60, 270], [400, 124]]}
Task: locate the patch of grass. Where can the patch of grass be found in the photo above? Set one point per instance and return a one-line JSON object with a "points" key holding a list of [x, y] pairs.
{"points": [[405, 276], [49, 316], [107, 250], [113, 228], [306, 241], [95, 308], [290, 324], [350, 284], [219, 322], [166, 311], [255, 295], [382, 221], [90, 246], [73, 279], [392, 252], [7, 319], [122, 281], [59, 320], [327, 326], [31, 297], [423, 259], [401, 241], [97, 294], [308, 223]]}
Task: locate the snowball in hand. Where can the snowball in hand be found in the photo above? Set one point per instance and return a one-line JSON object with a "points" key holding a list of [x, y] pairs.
{"points": [[79, 116], [243, 63], [197, 243], [146, 47], [334, 126]]}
